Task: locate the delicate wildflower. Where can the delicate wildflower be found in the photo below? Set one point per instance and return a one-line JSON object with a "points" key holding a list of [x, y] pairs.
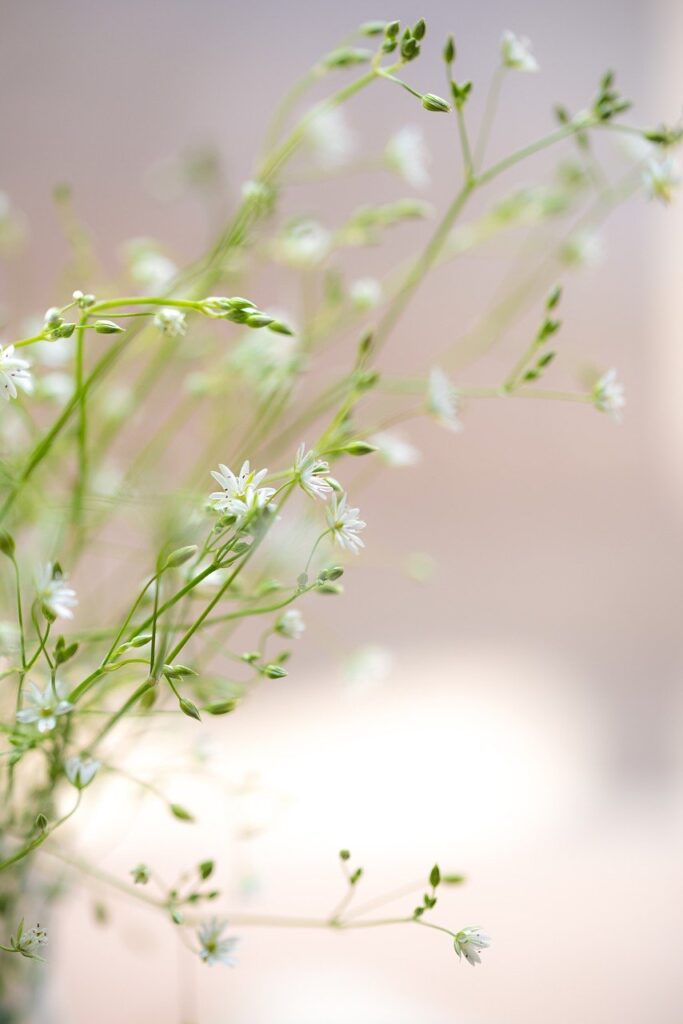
{"points": [[331, 139], [171, 322], [345, 524], [365, 293], [81, 770], [241, 496], [516, 53], [442, 400], [291, 624], [148, 266], [213, 948], [394, 450], [583, 248], [468, 942], [312, 473], [661, 177], [304, 243], [54, 592], [141, 874], [608, 394], [14, 373], [407, 155], [44, 706], [28, 943]]}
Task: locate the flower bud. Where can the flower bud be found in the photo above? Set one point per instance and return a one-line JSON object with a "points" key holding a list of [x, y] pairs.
{"points": [[7, 545], [435, 103], [107, 327], [180, 556]]}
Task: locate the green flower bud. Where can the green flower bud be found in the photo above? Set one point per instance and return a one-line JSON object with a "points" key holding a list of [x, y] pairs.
{"points": [[435, 103], [7, 545], [372, 28], [179, 812], [274, 672], [220, 707], [359, 448], [449, 50], [180, 556], [107, 327], [189, 709]]}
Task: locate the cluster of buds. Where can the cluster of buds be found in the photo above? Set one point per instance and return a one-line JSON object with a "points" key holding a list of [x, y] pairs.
{"points": [[409, 42], [241, 311], [459, 92]]}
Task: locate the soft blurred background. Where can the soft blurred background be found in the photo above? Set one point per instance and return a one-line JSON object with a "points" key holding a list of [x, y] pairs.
{"points": [[519, 715]]}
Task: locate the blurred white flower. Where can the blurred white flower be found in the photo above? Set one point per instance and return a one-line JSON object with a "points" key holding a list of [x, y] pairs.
{"points": [[14, 373], [81, 770], [407, 155], [57, 387], [44, 706], [54, 593], [291, 624], [442, 400], [516, 53], [148, 266], [241, 496], [608, 394], [331, 139], [345, 524], [304, 243], [214, 949], [171, 322], [311, 473], [28, 943], [661, 177], [468, 942], [365, 293], [394, 450], [369, 666], [584, 248]]}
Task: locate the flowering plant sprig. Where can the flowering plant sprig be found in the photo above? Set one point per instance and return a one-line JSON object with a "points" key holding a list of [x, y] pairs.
{"points": [[155, 389]]}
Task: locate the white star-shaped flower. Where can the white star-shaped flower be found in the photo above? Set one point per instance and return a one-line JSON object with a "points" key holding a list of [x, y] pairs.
{"points": [[312, 473], [14, 373], [214, 949], [171, 322], [241, 496], [661, 177], [291, 624], [345, 525], [44, 706], [54, 592], [468, 942], [442, 400], [408, 156], [516, 53], [608, 394]]}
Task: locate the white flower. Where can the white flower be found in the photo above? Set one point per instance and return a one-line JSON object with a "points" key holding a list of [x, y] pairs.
{"points": [[468, 942], [213, 948], [171, 322], [28, 943], [291, 624], [80, 770], [330, 138], [148, 266], [516, 53], [44, 706], [661, 177], [407, 155], [365, 293], [442, 400], [583, 248], [241, 496], [394, 450], [303, 244], [608, 394], [311, 473], [54, 592], [345, 525], [369, 666], [13, 373]]}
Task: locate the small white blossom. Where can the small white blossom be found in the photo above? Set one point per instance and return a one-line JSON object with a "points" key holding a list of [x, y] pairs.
{"points": [[661, 177], [81, 770], [345, 525], [312, 473], [291, 624], [241, 495], [54, 592], [331, 139], [171, 322], [28, 943], [583, 248], [516, 53], [407, 155], [44, 706], [442, 400], [14, 373], [214, 949], [468, 942], [369, 666], [305, 243], [148, 266], [608, 394], [394, 450], [365, 293]]}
